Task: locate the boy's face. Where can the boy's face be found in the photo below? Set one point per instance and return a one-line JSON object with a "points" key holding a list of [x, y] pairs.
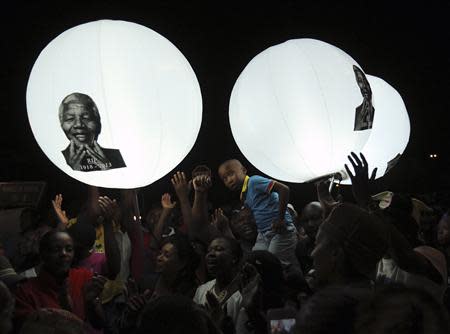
{"points": [[232, 174]]}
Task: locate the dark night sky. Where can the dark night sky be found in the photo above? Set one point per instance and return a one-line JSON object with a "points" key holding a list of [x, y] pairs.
{"points": [[405, 45]]}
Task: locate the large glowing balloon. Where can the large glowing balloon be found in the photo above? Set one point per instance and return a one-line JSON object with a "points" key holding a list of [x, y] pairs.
{"points": [[391, 128], [299, 108], [114, 104]]}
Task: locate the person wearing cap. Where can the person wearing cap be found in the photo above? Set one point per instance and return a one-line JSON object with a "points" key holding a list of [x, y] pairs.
{"points": [[406, 261], [80, 121]]}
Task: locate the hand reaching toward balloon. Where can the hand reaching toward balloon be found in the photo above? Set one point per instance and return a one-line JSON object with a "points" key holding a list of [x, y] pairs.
{"points": [[360, 180], [60, 213], [202, 183], [180, 184], [166, 202]]}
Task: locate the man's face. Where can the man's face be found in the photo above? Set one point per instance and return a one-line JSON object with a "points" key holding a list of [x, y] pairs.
{"points": [[311, 219], [219, 257], [244, 225], [232, 174], [79, 124], [58, 257]]}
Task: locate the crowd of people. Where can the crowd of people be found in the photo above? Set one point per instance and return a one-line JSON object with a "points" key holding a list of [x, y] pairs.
{"points": [[374, 263]]}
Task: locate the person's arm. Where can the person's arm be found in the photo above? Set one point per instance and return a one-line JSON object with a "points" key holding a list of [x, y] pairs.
{"points": [[408, 260], [180, 185], [167, 207], [131, 222], [200, 219], [325, 198], [360, 179], [112, 251], [283, 199], [401, 251], [220, 222], [92, 302], [63, 220]]}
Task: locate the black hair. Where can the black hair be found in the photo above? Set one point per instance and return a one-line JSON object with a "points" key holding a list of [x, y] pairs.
{"points": [[331, 310], [175, 314], [47, 238], [83, 235], [235, 246], [186, 282]]}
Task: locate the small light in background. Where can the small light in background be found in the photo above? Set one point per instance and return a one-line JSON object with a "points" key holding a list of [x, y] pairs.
{"points": [[433, 156]]}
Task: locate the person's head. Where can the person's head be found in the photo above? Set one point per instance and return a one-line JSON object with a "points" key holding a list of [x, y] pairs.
{"points": [[232, 173], [53, 321], [56, 250], [243, 225], [223, 256], [152, 217], [79, 118], [443, 230], [401, 310], [175, 315], [363, 84], [6, 309], [311, 218], [177, 261], [272, 279], [331, 310], [399, 213], [349, 244], [83, 236]]}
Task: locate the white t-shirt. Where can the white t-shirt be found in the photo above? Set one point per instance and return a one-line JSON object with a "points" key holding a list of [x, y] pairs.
{"points": [[233, 303]]}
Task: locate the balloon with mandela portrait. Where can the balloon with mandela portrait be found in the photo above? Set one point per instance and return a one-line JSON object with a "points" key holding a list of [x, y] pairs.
{"points": [[80, 121]]}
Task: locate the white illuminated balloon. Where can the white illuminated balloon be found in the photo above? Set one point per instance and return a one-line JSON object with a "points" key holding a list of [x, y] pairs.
{"points": [[391, 128], [133, 80], [295, 110]]}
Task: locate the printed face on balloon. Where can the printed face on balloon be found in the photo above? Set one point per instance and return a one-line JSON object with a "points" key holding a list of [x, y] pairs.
{"points": [[365, 112], [80, 121]]}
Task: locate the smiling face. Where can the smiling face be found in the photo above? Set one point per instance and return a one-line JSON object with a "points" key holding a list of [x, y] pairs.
{"points": [[57, 254], [168, 262], [79, 118], [78, 123], [232, 174]]}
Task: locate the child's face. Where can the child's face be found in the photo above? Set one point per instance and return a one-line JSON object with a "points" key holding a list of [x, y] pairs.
{"points": [[232, 175]]}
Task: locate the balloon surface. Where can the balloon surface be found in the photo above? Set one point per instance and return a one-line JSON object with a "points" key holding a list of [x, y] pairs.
{"points": [[391, 128], [114, 104], [298, 109]]}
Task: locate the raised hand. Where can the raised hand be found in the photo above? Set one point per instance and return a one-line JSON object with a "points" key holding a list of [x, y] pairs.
{"points": [[109, 208], [180, 184], [323, 195], [93, 288], [220, 221], [202, 183], [166, 202], [60, 213], [360, 180], [76, 155]]}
